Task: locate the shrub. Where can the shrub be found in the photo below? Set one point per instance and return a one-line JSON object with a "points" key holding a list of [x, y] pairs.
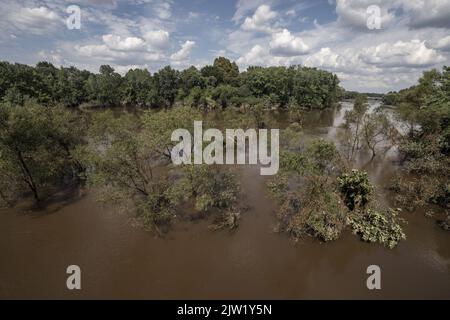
{"points": [[355, 188], [375, 226], [316, 211]]}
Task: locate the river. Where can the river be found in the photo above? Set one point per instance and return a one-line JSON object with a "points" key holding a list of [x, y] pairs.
{"points": [[118, 260]]}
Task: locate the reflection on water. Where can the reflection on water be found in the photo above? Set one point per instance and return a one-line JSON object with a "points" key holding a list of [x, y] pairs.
{"points": [[119, 261]]}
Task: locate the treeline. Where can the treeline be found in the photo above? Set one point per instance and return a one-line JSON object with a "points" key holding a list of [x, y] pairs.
{"points": [[218, 85], [425, 109], [354, 94]]}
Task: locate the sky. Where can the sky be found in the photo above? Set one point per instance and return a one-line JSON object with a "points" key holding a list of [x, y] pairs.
{"points": [[372, 45]]}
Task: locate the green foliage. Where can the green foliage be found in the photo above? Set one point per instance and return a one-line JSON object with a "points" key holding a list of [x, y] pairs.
{"points": [[305, 191], [316, 211], [425, 107], [375, 226], [356, 189], [104, 88], [217, 85], [166, 81], [211, 187], [137, 88], [125, 165], [319, 157], [37, 146], [158, 127]]}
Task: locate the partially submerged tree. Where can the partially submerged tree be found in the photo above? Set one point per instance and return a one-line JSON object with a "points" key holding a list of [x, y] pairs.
{"points": [[37, 147]]}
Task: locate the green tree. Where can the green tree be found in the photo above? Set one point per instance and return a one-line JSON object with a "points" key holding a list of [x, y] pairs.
{"points": [[167, 81], [36, 146], [226, 71]]}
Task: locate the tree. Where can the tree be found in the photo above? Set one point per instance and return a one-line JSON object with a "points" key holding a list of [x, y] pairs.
{"points": [[36, 146], [167, 81], [104, 87], [225, 71], [356, 189], [378, 129], [121, 170], [354, 124], [159, 126], [136, 87]]}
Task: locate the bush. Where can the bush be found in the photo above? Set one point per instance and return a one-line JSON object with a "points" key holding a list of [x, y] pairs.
{"points": [[316, 212], [355, 188], [375, 226], [209, 186]]}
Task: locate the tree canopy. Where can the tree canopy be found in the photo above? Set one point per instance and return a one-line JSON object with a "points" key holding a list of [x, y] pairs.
{"points": [[218, 85]]}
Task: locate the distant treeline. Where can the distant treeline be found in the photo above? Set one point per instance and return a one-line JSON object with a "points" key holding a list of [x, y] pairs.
{"points": [[355, 94], [217, 85]]}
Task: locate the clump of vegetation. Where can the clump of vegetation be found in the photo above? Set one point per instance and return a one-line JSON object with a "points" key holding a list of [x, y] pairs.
{"points": [[216, 86], [316, 199], [425, 108], [371, 130], [375, 226], [309, 203], [372, 225], [211, 187], [356, 189], [37, 147], [125, 160]]}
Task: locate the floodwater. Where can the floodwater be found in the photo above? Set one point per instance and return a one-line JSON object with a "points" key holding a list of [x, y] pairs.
{"points": [[118, 260]]}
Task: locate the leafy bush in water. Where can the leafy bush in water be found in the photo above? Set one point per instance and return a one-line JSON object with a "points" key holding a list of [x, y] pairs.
{"points": [[375, 226], [209, 186], [325, 216], [158, 208], [316, 211], [355, 188]]}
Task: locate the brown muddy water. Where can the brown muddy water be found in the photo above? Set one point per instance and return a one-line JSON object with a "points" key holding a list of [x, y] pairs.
{"points": [[118, 260]]}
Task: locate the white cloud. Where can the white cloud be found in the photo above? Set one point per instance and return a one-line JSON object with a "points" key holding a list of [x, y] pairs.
{"points": [[428, 13], [441, 43], [127, 44], [183, 53], [32, 20], [163, 10], [415, 13], [285, 44], [413, 54], [158, 39], [262, 20], [325, 58], [254, 57], [354, 13], [243, 7]]}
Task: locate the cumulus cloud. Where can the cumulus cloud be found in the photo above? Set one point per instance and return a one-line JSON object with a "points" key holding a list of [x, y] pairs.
{"points": [[428, 13], [183, 53], [413, 54], [325, 58], [356, 13], [285, 44], [158, 39], [32, 20], [127, 44], [262, 20], [415, 13], [256, 56], [243, 7]]}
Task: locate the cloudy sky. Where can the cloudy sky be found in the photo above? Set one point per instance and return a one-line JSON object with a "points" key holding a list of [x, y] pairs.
{"points": [[412, 35]]}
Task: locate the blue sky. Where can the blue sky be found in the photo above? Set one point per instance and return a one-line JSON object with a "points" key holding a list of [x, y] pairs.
{"points": [[412, 35]]}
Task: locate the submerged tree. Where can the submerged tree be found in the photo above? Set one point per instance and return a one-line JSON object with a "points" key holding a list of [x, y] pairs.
{"points": [[120, 168], [37, 147], [425, 107]]}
